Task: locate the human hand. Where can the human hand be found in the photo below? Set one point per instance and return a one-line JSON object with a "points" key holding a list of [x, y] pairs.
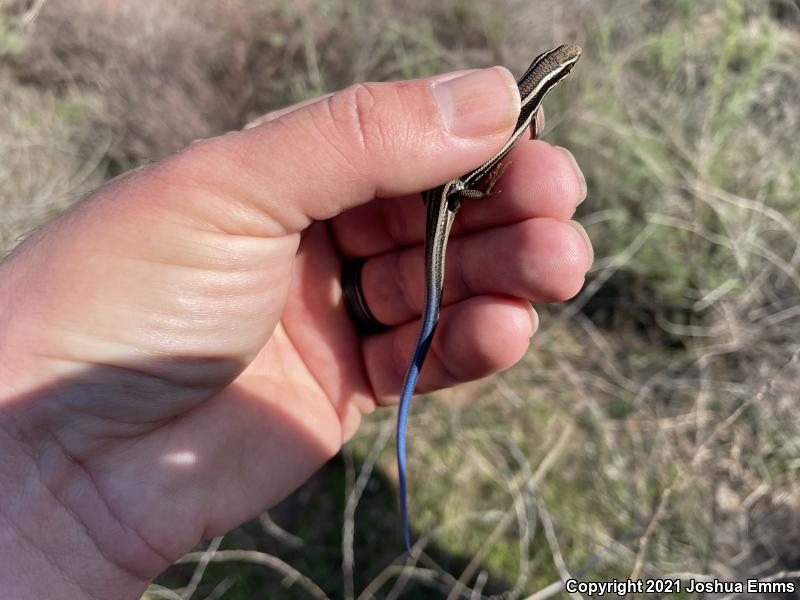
{"points": [[176, 357]]}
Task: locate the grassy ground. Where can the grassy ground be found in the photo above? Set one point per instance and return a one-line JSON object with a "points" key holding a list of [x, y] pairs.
{"points": [[650, 432]]}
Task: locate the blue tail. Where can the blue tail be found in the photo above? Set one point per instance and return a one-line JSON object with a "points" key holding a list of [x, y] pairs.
{"points": [[409, 384]]}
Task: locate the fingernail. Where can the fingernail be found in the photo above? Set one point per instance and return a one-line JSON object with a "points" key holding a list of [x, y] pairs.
{"points": [[578, 173], [579, 228], [479, 103], [534, 320]]}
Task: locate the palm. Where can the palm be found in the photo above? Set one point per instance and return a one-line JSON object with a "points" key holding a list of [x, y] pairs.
{"points": [[315, 341], [304, 390]]}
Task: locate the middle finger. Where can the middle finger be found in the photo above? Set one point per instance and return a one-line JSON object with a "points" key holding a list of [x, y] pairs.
{"points": [[542, 260]]}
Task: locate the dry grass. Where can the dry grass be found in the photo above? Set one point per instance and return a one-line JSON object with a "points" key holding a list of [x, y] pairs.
{"points": [[651, 431]]}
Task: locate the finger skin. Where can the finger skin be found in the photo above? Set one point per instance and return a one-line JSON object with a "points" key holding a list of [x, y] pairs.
{"points": [[540, 181], [475, 338], [368, 140], [277, 114], [541, 260]]}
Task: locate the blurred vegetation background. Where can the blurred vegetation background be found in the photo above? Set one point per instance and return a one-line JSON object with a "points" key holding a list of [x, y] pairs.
{"points": [[652, 429]]}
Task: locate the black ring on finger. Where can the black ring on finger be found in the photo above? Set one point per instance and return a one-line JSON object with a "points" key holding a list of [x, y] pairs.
{"points": [[354, 301]]}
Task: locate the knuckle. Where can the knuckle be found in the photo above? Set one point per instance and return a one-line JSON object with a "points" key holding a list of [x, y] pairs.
{"points": [[358, 118]]}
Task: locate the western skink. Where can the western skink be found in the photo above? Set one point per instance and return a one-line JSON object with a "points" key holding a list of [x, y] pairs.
{"points": [[442, 202]]}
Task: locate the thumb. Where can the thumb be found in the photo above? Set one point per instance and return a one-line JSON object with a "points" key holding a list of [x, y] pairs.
{"points": [[370, 139]]}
